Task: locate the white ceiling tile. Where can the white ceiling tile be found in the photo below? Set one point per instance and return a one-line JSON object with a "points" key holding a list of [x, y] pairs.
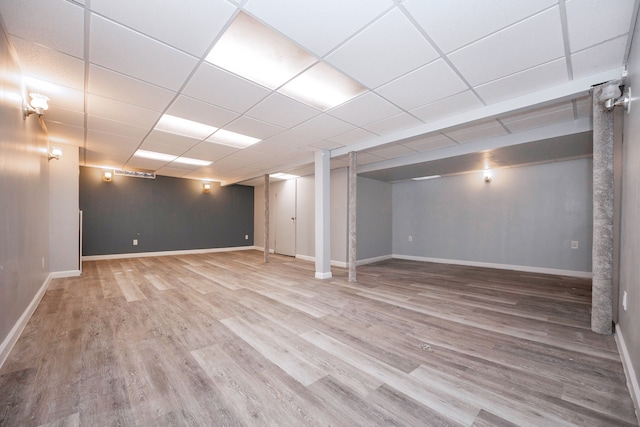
{"points": [[473, 19], [110, 143], [603, 57], [323, 127], [387, 49], [93, 158], [110, 126], [529, 43], [353, 137], [307, 21], [393, 124], [216, 86], [476, 131], [118, 86], [365, 158], [121, 112], [57, 24], [427, 84], [534, 79], [452, 105], [189, 25], [177, 144], [253, 128], [202, 112], [282, 111], [392, 151], [67, 98], [293, 139], [126, 51], [539, 117], [365, 109], [206, 150], [63, 116], [65, 133], [252, 156], [592, 22], [49, 65], [324, 145], [428, 142], [268, 148]]}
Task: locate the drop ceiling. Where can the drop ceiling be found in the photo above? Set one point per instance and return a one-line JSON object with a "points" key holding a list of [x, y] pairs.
{"points": [[442, 79]]}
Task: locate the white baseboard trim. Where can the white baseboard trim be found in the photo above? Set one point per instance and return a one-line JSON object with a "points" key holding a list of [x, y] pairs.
{"points": [[16, 331], [372, 260], [261, 249], [323, 275], [629, 370], [524, 268], [334, 263], [166, 253], [63, 274]]}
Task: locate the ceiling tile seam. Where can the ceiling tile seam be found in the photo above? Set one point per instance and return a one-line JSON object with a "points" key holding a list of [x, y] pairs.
{"points": [[600, 43], [439, 51], [520, 72], [87, 64], [632, 28], [565, 37], [506, 129], [512, 24]]}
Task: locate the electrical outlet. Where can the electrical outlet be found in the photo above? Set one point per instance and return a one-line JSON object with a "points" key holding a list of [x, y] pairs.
{"points": [[411, 238], [135, 242], [246, 237], [574, 244], [624, 300]]}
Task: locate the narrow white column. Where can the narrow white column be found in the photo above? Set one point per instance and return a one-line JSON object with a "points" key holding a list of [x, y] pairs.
{"points": [[353, 196], [266, 218], [323, 214]]}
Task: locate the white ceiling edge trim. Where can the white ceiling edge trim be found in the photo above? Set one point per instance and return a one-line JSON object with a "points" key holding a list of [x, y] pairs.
{"points": [[562, 129], [566, 91]]}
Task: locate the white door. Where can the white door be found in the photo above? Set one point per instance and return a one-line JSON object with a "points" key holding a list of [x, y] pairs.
{"points": [[285, 217]]}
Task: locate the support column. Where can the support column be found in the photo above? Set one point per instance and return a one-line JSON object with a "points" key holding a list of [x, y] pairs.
{"points": [[323, 214], [266, 218], [602, 254], [353, 196]]}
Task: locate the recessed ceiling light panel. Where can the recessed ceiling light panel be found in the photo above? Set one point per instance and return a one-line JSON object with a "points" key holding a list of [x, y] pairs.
{"points": [[184, 127], [255, 52], [152, 155], [232, 139]]}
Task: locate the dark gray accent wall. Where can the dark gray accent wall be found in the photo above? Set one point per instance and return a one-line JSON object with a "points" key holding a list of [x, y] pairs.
{"points": [[527, 216], [164, 214], [24, 199], [374, 227]]}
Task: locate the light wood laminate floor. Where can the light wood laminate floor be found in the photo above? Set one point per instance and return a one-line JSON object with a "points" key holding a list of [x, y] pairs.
{"points": [[223, 339]]}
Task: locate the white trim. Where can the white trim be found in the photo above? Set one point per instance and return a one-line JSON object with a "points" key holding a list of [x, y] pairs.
{"points": [[166, 253], [63, 274], [261, 249], [334, 263], [542, 270], [320, 275], [629, 371], [372, 260], [16, 331]]}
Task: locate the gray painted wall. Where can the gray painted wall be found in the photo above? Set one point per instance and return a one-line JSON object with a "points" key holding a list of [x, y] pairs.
{"points": [[164, 214], [24, 198], [629, 320], [527, 216], [63, 193], [374, 219]]}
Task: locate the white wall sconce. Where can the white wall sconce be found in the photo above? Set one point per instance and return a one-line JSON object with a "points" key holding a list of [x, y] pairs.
{"points": [[612, 96], [206, 188], [107, 176], [56, 153], [38, 105], [488, 175]]}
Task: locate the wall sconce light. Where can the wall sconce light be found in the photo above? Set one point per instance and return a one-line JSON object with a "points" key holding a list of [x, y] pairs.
{"points": [[107, 176], [488, 175], [206, 187], [38, 105], [612, 97], [56, 153]]}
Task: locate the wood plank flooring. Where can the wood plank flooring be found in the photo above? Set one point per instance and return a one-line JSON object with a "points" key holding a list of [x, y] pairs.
{"points": [[224, 340]]}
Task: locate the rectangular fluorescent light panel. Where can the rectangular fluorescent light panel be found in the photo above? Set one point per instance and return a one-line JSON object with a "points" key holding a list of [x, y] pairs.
{"points": [[232, 139], [282, 175], [322, 87], [422, 178], [184, 127], [257, 53], [152, 155]]}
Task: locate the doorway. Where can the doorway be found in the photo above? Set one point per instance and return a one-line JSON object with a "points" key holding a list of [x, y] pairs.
{"points": [[284, 222]]}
